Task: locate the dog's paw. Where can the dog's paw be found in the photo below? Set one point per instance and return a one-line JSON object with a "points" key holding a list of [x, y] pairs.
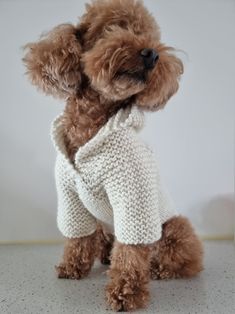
{"points": [[124, 295], [67, 271]]}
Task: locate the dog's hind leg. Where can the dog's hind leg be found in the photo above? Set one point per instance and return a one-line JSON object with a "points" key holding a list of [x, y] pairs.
{"points": [[178, 253], [104, 244]]}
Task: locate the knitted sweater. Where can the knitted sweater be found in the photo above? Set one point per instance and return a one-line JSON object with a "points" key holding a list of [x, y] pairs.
{"points": [[114, 179]]}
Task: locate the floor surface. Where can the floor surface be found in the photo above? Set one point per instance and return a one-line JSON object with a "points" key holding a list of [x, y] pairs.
{"points": [[28, 285]]}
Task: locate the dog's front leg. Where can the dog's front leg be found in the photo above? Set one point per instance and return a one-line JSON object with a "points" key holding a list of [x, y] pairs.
{"points": [[78, 258], [129, 274]]}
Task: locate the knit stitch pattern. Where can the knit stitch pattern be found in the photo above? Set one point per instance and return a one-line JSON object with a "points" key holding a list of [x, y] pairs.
{"points": [[114, 179]]}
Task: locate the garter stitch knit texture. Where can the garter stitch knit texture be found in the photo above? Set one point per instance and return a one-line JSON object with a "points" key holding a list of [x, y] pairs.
{"points": [[115, 179]]}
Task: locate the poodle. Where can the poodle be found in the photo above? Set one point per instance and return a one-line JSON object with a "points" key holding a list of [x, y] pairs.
{"points": [[111, 68]]}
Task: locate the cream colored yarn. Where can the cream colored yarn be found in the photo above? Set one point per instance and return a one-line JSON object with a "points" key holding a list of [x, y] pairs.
{"points": [[115, 179]]}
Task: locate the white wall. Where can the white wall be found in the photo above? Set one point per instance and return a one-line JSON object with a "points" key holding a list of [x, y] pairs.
{"points": [[193, 136]]}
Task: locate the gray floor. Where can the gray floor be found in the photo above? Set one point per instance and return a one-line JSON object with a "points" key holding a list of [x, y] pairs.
{"points": [[28, 285]]}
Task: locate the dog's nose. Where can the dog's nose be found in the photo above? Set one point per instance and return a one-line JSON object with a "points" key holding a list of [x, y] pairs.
{"points": [[150, 57]]}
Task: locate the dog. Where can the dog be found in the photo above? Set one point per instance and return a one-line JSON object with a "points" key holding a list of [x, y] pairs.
{"points": [[110, 69]]}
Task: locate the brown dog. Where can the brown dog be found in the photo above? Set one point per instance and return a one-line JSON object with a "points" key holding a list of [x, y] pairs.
{"points": [[114, 58]]}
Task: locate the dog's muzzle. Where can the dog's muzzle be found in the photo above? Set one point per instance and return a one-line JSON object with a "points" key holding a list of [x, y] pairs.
{"points": [[150, 57]]}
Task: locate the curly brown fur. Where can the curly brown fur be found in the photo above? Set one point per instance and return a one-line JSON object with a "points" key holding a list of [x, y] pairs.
{"points": [[129, 276], [84, 117], [78, 258], [79, 254], [179, 252], [53, 63]]}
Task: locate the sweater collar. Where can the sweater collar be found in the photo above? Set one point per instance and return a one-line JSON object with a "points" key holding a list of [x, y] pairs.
{"points": [[131, 117]]}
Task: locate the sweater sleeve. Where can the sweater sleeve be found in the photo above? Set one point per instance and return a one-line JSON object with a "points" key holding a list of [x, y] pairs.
{"points": [[132, 189], [73, 219]]}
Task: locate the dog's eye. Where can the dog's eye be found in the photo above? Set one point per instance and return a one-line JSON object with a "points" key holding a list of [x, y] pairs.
{"points": [[123, 24]]}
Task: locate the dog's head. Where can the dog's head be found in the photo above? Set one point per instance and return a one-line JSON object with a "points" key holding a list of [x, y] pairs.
{"points": [[116, 47]]}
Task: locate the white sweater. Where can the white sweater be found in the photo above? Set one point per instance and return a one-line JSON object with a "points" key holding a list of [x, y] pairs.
{"points": [[114, 179]]}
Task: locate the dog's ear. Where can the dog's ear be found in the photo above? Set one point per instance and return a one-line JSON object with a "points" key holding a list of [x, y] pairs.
{"points": [[53, 63], [163, 82]]}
